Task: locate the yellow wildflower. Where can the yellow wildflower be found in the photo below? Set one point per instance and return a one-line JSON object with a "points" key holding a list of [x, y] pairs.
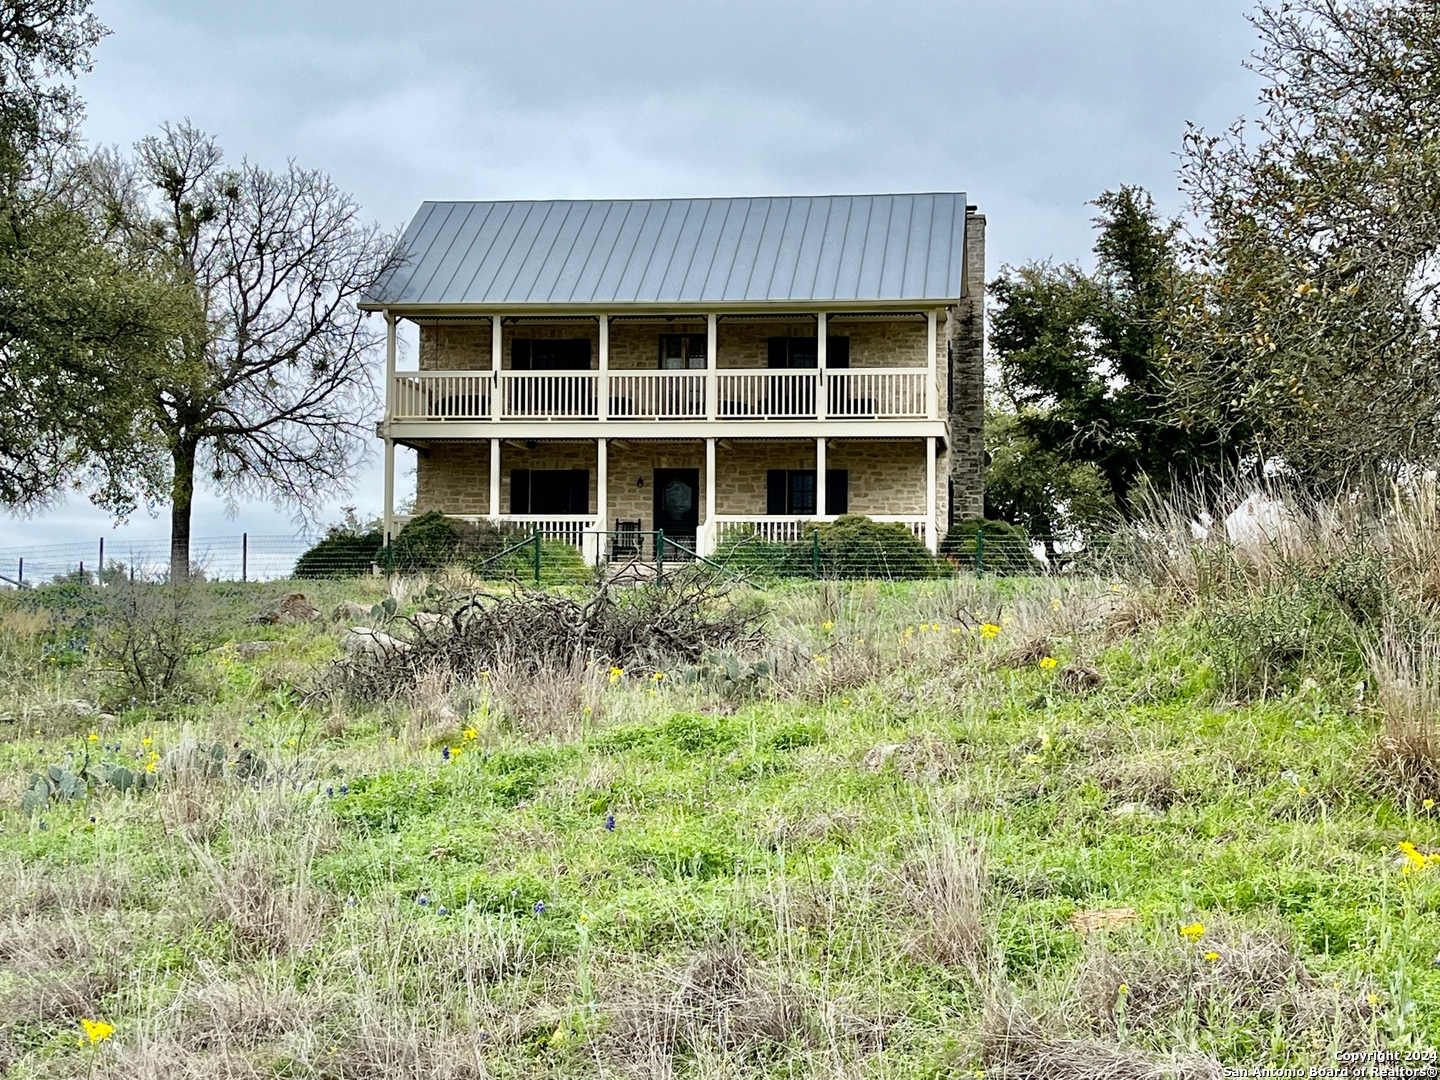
{"points": [[616, 674], [455, 752], [1055, 604], [1373, 999], [1193, 931], [1048, 662], [935, 626], [97, 1031], [1212, 956], [1428, 803], [819, 658], [827, 625], [1123, 988], [657, 676], [989, 630], [146, 741], [94, 736], [1414, 860], [471, 733]]}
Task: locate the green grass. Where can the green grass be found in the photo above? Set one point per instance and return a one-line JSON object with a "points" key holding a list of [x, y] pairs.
{"points": [[559, 906]]}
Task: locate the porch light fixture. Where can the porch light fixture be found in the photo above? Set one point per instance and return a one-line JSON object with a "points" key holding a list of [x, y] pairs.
{"points": [[639, 481]]}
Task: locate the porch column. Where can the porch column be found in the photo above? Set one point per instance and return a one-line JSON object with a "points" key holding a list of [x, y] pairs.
{"points": [[495, 478], [712, 380], [389, 524], [932, 533], [497, 353], [821, 390], [932, 384], [602, 502], [389, 489], [820, 477], [709, 536], [603, 382]]}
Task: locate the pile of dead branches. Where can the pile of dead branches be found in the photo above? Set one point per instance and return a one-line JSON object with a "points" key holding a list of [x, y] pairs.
{"points": [[655, 627]]}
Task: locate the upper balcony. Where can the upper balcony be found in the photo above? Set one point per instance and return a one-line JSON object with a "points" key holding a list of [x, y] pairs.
{"points": [[682, 370]]}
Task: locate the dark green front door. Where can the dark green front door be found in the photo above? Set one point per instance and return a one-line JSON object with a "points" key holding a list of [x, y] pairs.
{"points": [[677, 506]]}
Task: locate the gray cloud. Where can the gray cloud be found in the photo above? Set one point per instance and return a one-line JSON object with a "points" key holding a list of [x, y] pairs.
{"points": [[1032, 107]]}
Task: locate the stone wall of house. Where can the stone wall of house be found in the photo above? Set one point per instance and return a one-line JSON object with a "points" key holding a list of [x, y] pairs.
{"points": [[454, 477], [455, 346], [635, 346], [965, 339]]}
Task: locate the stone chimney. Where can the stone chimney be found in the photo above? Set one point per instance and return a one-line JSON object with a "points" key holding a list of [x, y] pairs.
{"points": [[965, 345]]}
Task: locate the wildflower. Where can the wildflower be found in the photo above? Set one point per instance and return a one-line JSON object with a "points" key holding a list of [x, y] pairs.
{"points": [[827, 625], [1048, 662], [1302, 790], [1123, 988], [657, 676], [1212, 956], [610, 822], [1372, 999], [93, 736], [422, 900], [935, 626], [344, 789], [539, 907], [146, 741], [1414, 860], [1428, 803], [989, 630], [97, 1031], [820, 658], [616, 674], [445, 752], [1193, 931], [455, 752], [442, 910], [471, 734], [1055, 604]]}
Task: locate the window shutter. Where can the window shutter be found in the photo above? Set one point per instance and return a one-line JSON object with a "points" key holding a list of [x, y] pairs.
{"points": [[520, 354], [775, 502], [837, 491], [520, 491], [837, 351]]}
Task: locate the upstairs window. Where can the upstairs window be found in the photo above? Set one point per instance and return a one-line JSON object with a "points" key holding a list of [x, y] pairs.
{"points": [[800, 352], [550, 354], [680, 351]]}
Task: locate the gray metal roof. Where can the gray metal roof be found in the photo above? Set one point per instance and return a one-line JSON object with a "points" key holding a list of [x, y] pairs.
{"points": [[683, 251]]}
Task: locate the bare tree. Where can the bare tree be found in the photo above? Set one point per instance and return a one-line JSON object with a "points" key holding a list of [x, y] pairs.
{"points": [[265, 391]]}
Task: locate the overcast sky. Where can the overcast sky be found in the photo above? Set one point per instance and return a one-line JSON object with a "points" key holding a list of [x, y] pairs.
{"points": [[1033, 107]]}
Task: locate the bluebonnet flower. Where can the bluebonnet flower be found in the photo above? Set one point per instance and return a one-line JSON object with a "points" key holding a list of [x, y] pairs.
{"points": [[442, 910], [609, 822], [423, 901], [445, 753], [329, 792], [539, 907], [344, 789]]}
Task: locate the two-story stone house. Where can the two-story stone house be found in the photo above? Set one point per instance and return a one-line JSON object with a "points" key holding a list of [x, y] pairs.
{"points": [[694, 366]]}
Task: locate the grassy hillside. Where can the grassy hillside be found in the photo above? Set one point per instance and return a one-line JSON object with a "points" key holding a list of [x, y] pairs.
{"points": [[1018, 828]]}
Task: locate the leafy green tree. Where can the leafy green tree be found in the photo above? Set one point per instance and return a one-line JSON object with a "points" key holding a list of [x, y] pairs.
{"points": [[1312, 333], [75, 323], [1081, 360]]}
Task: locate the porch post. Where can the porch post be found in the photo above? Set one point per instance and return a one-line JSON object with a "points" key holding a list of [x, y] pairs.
{"points": [[497, 352], [820, 477], [602, 492], [495, 478], [603, 381], [389, 362], [932, 534], [389, 489], [821, 390], [932, 384], [712, 381], [709, 536]]}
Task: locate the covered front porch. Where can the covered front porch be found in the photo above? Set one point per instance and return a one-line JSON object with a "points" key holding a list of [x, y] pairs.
{"points": [[594, 493]]}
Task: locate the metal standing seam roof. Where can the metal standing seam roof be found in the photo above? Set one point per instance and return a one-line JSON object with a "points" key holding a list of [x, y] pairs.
{"points": [[683, 251]]}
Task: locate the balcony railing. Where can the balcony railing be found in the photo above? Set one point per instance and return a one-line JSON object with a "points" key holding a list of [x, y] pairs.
{"points": [[767, 394], [790, 528]]}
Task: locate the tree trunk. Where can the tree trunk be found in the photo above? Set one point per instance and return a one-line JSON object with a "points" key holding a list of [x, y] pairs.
{"points": [[182, 500]]}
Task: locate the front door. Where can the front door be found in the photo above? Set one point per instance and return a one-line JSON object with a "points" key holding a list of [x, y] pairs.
{"points": [[677, 507]]}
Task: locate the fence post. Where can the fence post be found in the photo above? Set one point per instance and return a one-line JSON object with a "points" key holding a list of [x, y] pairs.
{"points": [[815, 554], [244, 557], [100, 566], [980, 551], [20, 574], [659, 554], [537, 556]]}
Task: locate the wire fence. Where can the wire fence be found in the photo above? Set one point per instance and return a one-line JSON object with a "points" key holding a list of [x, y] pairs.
{"points": [[540, 559]]}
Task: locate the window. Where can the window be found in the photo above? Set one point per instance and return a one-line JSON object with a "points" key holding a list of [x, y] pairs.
{"points": [[550, 354], [679, 351], [549, 491], [792, 491], [799, 352]]}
